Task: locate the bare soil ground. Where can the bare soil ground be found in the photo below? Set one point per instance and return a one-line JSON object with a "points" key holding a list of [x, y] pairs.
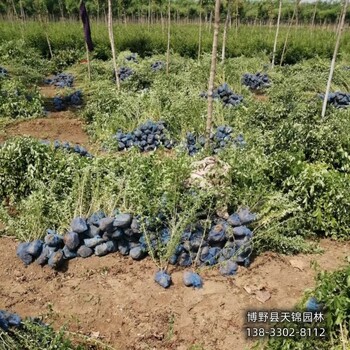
{"points": [[62, 126], [116, 300]]}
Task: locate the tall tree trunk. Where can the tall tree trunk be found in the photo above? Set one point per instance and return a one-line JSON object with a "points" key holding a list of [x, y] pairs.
{"points": [[210, 19], [149, 15], [61, 9], [162, 20], [23, 15], [88, 61], [98, 10], [237, 17], [225, 32], [336, 47], [212, 73], [200, 30], [276, 36], [111, 39], [14, 9], [44, 24], [297, 14], [314, 14], [168, 41], [288, 31]]}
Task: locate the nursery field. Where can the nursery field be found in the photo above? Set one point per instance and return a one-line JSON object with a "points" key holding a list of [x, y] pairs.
{"points": [[120, 229]]}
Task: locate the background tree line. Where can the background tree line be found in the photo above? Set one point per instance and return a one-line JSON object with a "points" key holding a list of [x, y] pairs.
{"points": [[244, 11]]}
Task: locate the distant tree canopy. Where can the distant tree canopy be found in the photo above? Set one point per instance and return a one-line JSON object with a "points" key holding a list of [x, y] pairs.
{"points": [[246, 10]]}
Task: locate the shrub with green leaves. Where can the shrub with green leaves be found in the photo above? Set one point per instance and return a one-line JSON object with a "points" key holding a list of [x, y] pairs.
{"points": [[333, 292], [33, 335], [16, 101], [25, 163]]}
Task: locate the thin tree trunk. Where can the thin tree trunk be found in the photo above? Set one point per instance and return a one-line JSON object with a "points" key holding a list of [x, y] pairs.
{"points": [[236, 16], [88, 62], [111, 39], [98, 11], [44, 24], [276, 36], [200, 31], [149, 14], [162, 20], [212, 73], [168, 43], [297, 15], [61, 9], [288, 32], [314, 14], [14, 9], [336, 47], [22, 11], [225, 32], [210, 20]]}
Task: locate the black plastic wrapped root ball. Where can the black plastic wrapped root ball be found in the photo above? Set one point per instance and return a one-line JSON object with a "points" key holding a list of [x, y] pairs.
{"points": [[123, 73], [132, 58], [61, 80], [82, 151], [74, 99], [3, 72], [225, 95], [220, 139], [256, 81], [158, 65], [225, 242], [147, 137], [8, 320], [338, 99]]}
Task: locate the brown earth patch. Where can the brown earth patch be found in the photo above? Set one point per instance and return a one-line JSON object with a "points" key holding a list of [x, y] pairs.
{"points": [[62, 126], [117, 299], [261, 97]]}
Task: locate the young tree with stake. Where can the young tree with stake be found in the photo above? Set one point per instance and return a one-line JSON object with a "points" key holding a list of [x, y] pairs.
{"points": [[335, 53], [212, 73], [168, 43], [276, 36], [111, 39]]}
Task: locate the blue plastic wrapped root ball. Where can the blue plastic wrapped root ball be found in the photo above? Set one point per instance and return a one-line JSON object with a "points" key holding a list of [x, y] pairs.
{"points": [[22, 253], [228, 268], [163, 279], [192, 279], [313, 305]]}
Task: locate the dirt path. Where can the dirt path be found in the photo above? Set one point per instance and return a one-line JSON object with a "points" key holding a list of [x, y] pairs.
{"points": [[117, 297], [62, 126]]}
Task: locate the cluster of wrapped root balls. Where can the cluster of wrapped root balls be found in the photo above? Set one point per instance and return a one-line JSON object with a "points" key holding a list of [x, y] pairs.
{"points": [[256, 81], [227, 242], [60, 80], [74, 99], [147, 137], [219, 139], [338, 99], [67, 147]]}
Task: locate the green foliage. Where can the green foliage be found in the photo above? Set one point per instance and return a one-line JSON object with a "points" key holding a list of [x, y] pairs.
{"points": [[333, 291], [321, 192], [63, 58], [17, 102], [25, 164], [246, 40], [33, 336]]}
